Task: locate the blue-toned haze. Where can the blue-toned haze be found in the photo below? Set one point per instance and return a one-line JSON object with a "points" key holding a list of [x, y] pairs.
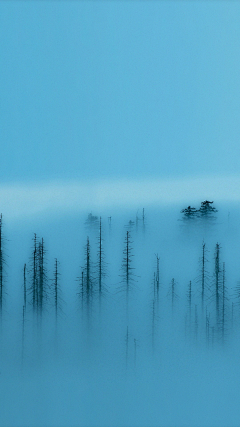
{"points": [[128, 110], [113, 91]]}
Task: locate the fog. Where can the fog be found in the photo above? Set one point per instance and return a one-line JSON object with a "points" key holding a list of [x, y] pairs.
{"points": [[109, 108], [149, 349]]}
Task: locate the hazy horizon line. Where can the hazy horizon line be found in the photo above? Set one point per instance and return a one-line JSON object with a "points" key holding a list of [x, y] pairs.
{"points": [[17, 199]]}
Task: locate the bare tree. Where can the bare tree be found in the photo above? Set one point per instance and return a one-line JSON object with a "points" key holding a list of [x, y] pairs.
{"points": [[101, 266], [127, 269], [38, 288], [86, 282], [217, 282], [157, 278]]}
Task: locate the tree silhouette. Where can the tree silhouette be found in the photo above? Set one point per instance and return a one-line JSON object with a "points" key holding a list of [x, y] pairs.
{"points": [[207, 208], [86, 282], [57, 292], [101, 266], [217, 282], [189, 212], [127, 269], [38, 287]]}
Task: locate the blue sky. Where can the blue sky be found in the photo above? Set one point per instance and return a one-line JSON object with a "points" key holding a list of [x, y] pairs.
{"points": [[126, 90]]}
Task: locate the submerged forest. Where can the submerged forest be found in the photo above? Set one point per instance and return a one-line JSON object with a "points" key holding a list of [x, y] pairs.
{"points": [[143, 297]]}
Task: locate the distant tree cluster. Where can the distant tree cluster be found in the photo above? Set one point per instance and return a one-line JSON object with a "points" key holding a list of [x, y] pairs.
{"points": [[205, 209]]}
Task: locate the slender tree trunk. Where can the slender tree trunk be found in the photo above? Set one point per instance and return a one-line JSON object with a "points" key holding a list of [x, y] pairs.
{"points": [[88, 280], [127, 272], [34, 278], [24, 287], [157, 277], [223, 304], [217, 276]]}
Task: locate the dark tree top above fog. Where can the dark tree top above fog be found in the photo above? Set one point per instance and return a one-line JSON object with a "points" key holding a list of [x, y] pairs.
{"points": [[205, 209]]}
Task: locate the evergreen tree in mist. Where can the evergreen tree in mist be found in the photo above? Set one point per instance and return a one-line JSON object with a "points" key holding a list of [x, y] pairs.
{"points": [[207, 209], [189, 212]]}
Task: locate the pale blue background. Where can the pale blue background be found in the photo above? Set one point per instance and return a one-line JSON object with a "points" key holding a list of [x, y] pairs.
{"points": [[119, 104], [119, 89]]}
